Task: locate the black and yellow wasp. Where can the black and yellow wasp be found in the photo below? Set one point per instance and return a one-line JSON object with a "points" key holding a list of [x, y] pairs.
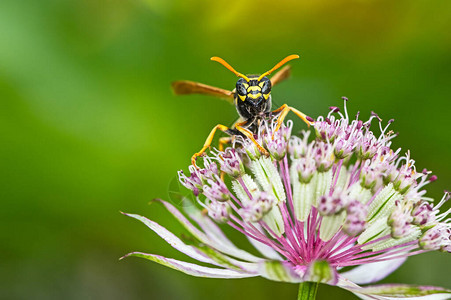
{"points": [[252, 99]]}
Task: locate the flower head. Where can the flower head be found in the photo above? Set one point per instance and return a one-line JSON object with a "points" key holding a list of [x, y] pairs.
{"points": [[313, 207]]}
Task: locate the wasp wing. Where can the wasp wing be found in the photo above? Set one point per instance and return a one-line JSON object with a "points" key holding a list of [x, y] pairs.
{"points": [[185, 87], [283, 74]]}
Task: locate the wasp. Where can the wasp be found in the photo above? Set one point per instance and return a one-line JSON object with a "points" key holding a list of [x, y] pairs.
{"points": [[252, 99]]}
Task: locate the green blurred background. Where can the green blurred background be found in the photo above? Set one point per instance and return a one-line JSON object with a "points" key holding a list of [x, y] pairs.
{"points": [[89, 125]]}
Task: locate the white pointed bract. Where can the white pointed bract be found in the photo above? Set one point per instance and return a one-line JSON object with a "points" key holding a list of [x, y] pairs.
{"points": [[312, 207]]}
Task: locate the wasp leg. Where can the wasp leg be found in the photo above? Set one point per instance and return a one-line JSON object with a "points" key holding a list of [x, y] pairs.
{"points": [[224, 141], [208, 142], [284, 110], [250, 136]]}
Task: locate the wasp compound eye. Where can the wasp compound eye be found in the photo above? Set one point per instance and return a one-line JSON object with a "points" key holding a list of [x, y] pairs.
{"points": [[266, 88], [241, 88]]}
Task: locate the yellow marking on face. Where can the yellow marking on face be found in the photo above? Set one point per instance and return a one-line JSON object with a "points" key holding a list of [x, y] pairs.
{"points": [[243, 98], [266, 96], [253, 89], [254, 96], [245, 85], [261, 84]]}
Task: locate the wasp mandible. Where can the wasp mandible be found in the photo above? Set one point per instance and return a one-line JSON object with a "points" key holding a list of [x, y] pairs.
{"points": [[252, 99]]}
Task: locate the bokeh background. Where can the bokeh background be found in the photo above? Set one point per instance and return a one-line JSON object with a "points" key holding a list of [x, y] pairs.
{"points": [[89, 126]]}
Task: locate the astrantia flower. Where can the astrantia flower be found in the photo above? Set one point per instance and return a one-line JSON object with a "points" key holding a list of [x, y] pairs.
{"points": [[311, 208]]}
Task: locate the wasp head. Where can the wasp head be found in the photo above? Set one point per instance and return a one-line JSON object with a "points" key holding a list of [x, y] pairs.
{"points": [[255, 92]]}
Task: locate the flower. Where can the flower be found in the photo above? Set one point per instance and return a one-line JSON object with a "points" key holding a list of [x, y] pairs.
{"points": [[311, 208]]}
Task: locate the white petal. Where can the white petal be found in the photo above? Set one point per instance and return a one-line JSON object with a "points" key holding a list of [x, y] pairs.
{"points": [[357, 191], [373, 272], [251, 186], [376, 230], [171, 239], [441, 296], [350, 286], [267, 251], [303, 196], [275, 222], [366, 297], [268, 177], [228, 262], [201, 236], [279, 271], [201, 253], [323, 182], [385, 244], [383, 204], [210, 228], [428, 297], [395, 291], [192, 269], [184, 221], [330, 225]]}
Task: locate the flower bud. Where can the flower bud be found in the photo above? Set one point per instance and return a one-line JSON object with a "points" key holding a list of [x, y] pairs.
{"points": [[324, 156], [432, 238], [331, 205], [399, 222], [422, 214], [193, 182], [231, 163], [259, 206], [216, 190], [219, 211], [355, 219], [305, 168]]}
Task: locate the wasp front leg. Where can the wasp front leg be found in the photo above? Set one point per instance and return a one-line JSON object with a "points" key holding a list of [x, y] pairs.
{"points": [[250, 135], [208, 142], [284, 110], [226, 140]]}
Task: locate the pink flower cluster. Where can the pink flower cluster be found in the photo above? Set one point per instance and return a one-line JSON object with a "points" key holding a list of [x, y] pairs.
{"points": [[313, 206]]}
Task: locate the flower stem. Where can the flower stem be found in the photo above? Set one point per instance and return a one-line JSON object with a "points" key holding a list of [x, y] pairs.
{"points": [[307, 290]]}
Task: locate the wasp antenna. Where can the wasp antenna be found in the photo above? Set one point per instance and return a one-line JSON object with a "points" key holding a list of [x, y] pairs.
{"points": [[281, 63], [229, 67]]}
